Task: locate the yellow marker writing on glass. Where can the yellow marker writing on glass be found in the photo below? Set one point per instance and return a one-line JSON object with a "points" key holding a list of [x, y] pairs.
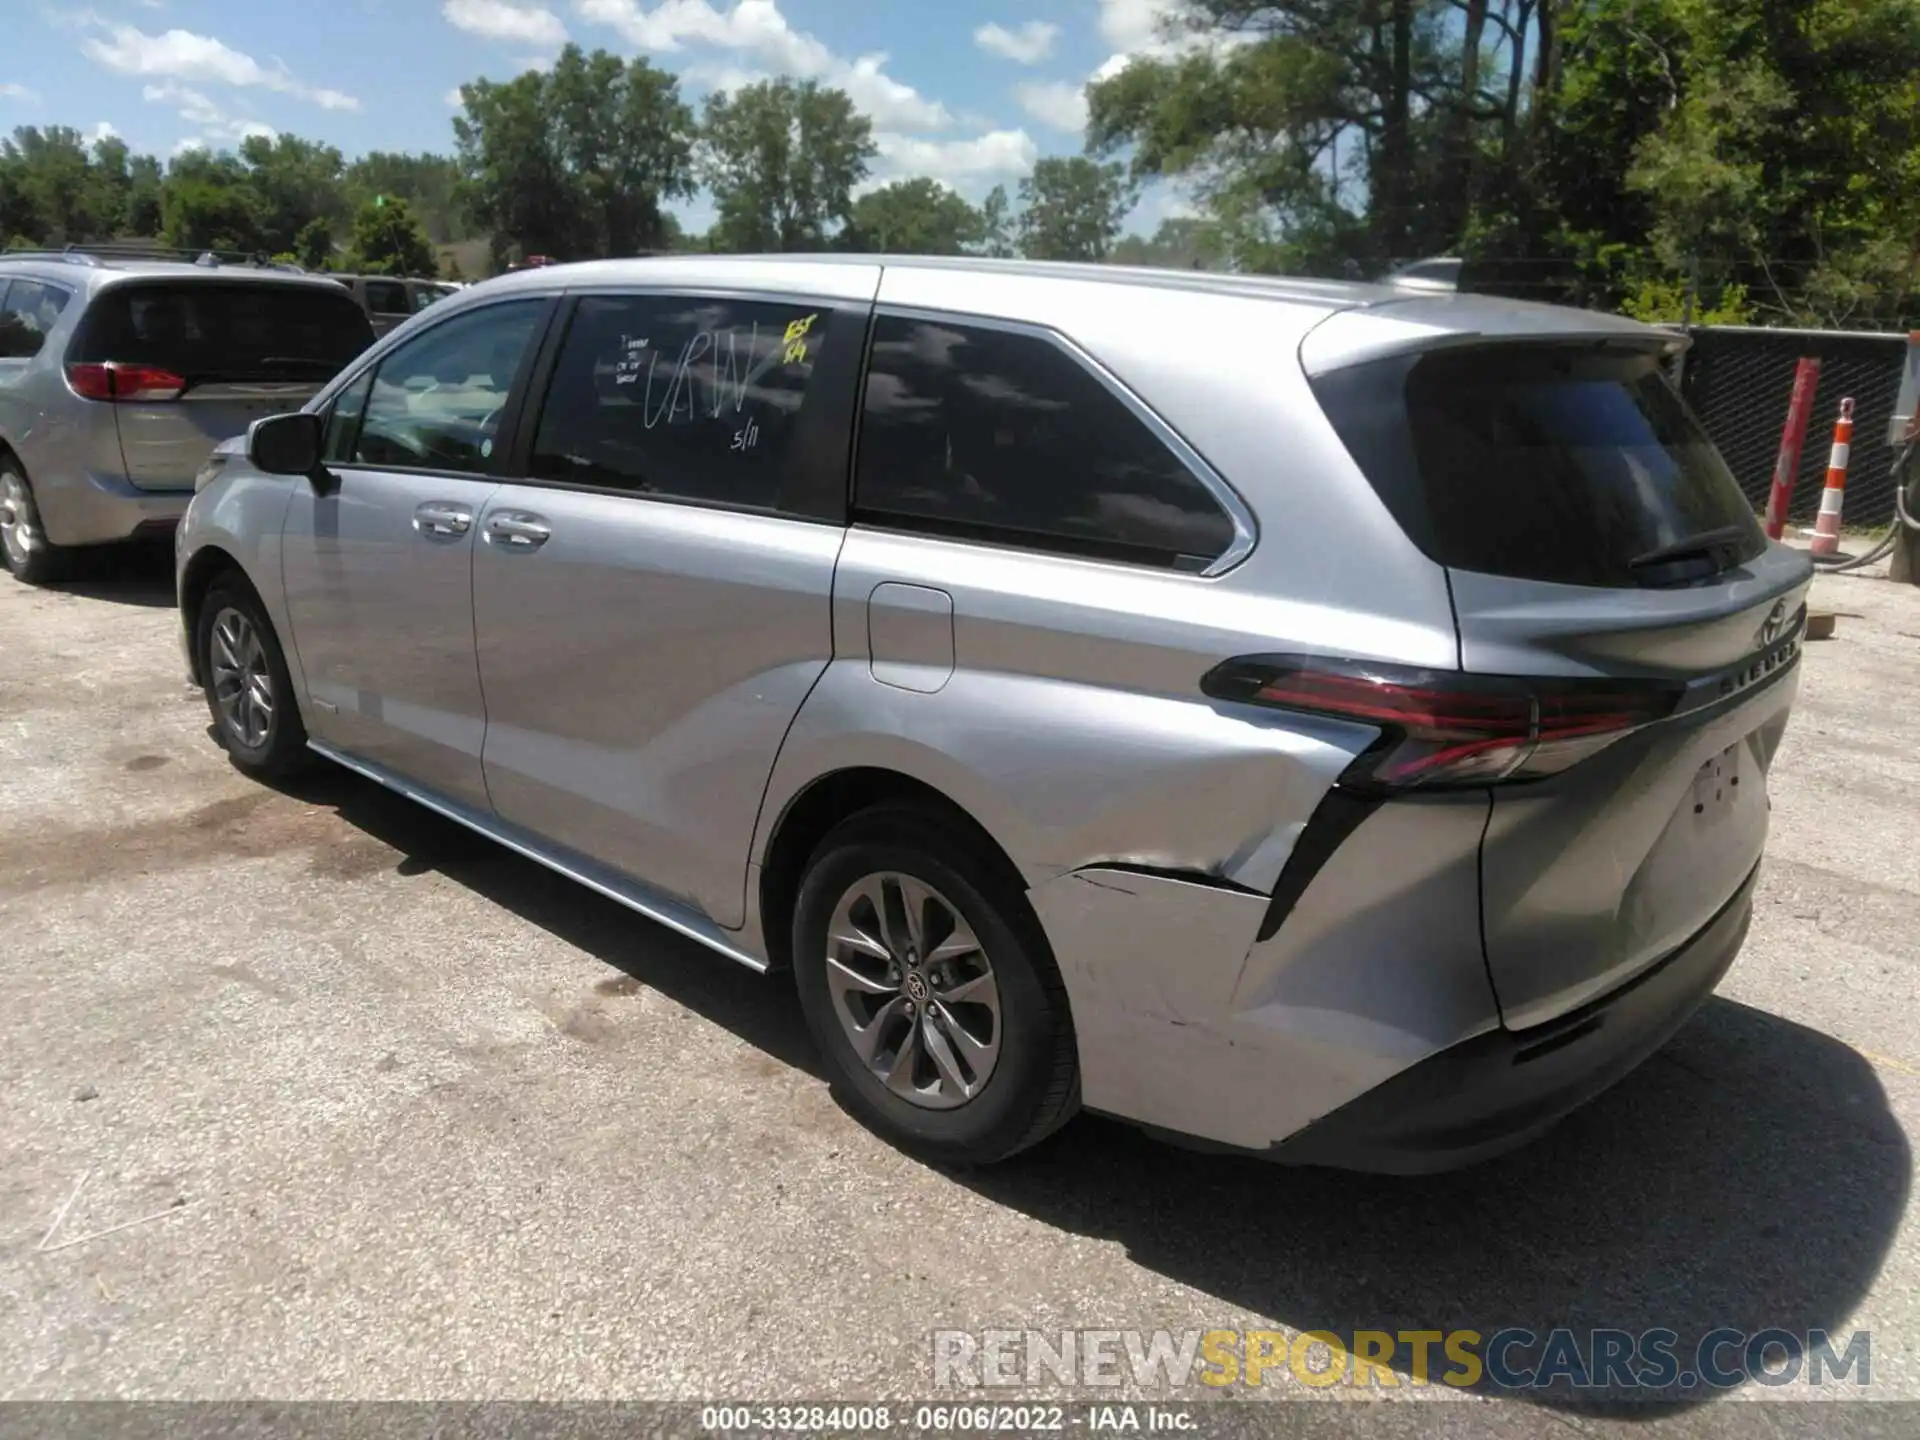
{"points": [[794, 343]]}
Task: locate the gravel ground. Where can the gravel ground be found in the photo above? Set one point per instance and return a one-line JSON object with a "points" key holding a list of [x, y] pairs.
{"points": [[312, 1095]]}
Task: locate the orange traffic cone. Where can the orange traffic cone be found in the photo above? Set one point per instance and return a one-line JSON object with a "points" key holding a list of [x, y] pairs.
{"points": [[1826, 528]]}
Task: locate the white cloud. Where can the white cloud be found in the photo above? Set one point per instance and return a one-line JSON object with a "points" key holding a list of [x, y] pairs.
{"points": [[1134, 24], [190, 143], [184, 56], [199, 111], [498, 20], [191, 105], [757, 32], [1026, 44], [10, 91], [1138, 27], [102, 130], [1054, 102], [961, 164], [452, 99]]}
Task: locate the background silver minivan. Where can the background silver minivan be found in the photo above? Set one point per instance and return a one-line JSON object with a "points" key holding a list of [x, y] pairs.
{"points": [[119, 374], [1314, 719]]}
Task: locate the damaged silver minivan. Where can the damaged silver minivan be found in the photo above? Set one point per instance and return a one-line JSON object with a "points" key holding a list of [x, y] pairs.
{"points": [[1315, 719]]}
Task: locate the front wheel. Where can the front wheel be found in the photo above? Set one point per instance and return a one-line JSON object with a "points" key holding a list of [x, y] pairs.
{"points": [[23, 540], [930, 990], [248, 688]]}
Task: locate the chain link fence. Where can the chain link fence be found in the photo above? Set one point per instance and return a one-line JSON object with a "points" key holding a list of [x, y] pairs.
{"points": [[1738, 380]]}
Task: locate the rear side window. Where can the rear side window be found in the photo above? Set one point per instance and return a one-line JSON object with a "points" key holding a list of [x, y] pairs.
{"points": [[387, 297], [1003, 436], [741, 403], [225, 331], [1539, 462], [27, 312]]}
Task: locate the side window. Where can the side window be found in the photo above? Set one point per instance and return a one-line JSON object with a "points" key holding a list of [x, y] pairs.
{"points": [[1001, 436], [387, 297], [28, 312], [343, 420], [700, 399], [436, 401]]}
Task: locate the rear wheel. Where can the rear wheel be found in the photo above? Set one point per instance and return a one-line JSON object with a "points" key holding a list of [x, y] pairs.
{"points": [[931, 991], [29, 554], [248, 688]]}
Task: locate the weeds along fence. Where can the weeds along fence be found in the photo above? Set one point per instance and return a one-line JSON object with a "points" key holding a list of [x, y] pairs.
{"points": [[1738, 379]]}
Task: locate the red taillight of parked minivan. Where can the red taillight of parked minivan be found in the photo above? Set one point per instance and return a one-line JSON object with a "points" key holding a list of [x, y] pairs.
{"points": [[1440, 729], [113, 381]]}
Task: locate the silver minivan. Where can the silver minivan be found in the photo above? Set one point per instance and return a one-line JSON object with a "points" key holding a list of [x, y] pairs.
{"points": [[120, 372], [1311, 719]]}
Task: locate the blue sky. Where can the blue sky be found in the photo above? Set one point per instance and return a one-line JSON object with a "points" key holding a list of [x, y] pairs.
{"points": [[969, 91]]}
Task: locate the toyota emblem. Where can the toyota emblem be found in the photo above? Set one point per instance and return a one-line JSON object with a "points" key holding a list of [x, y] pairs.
{"points": [[1776, 623]]}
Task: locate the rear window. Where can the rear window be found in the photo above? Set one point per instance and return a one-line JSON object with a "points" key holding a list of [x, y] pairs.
{"points": [[1541, 463], [207, 331]]}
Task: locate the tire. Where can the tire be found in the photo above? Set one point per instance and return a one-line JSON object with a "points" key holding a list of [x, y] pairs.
{"points": [[234, 660], [1029, 1086], [28, 554]]}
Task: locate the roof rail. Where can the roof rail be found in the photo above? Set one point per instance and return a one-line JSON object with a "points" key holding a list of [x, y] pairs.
{"points": [[40, 252], [96, 252]]}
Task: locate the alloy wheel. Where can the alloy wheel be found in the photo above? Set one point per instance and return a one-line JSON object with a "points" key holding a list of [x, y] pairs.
{"points": [[242, 683], [16, 518], [913, 990]]}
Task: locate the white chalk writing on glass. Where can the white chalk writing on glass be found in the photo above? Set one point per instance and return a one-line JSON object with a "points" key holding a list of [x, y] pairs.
{"points": [[715, 370], [746, 437]]}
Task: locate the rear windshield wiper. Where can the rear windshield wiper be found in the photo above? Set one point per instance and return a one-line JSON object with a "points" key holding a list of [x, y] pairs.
{"points": [[1720, 546]]}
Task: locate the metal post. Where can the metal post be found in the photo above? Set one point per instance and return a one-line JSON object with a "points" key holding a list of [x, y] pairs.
{"points": [[1786, 466]]}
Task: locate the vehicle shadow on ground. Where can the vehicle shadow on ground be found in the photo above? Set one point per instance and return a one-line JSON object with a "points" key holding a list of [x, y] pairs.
{"points": [[121, 575], [1750, 1176], [762, 1010]]}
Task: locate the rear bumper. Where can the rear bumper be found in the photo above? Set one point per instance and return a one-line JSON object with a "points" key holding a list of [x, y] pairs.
{"points": [[89, 508], [1502, 1088]]}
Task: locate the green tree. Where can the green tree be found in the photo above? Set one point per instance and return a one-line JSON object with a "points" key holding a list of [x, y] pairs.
{"points": [[294, 182], [1072, 208], [387, 240], [1788, 155], [996, 225], [1181, 243], [55, 197], [576, 161], [146, 184], [782, 159], [208, 203], [430, 184], [913, 217], [626, 138], [313, 246]]}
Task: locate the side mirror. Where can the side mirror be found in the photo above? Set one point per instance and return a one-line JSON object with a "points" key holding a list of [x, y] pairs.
{"points": [[287, 444]]}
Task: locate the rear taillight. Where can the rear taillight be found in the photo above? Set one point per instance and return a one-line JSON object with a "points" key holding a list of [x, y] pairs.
{"points": [[114, 381], [1439, 728]]}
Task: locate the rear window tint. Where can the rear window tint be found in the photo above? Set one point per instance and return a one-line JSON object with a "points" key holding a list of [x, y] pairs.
{"points": [[210, 331], [1538, 462]]}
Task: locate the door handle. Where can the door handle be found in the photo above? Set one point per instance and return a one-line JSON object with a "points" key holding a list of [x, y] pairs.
{"points": [[517, 529], [442, 517]]}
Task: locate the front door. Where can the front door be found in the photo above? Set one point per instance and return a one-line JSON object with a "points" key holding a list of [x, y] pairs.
{"points": [[653, 601], [379, 568]]}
